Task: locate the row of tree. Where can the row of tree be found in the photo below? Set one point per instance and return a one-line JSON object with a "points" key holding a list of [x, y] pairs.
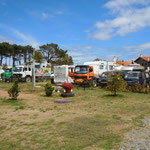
{"points": [[18, 54]]}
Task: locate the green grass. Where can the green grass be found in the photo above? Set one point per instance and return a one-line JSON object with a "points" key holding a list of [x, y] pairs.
{"points": [[93, 120]]}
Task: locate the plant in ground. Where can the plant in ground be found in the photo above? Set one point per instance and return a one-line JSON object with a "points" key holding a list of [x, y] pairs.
{"points": [[67, 87], [14, 91], [48, 89], [116, 84]]}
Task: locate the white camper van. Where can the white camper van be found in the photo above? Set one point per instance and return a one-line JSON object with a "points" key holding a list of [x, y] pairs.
{"points": [[101, 66]]}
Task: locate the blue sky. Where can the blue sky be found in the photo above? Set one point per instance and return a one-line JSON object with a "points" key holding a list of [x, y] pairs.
{"points": [[87, 29]]}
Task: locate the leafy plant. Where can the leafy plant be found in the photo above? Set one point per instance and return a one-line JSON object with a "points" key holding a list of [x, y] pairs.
{"points": [[67, 87], [116, 84], [48, 89], [136, 87], [14, 91]]}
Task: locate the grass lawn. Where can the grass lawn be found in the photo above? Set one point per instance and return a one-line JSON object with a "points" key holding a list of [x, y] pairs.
{"points": [[93, 120]]}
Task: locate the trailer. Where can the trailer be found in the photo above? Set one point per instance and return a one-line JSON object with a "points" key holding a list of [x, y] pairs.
{"points": [[63, 73], [43, 72], [101, 66]]}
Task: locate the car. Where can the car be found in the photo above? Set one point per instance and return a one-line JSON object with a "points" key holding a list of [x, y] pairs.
{"points": [[137, 77], [103, 79], [106, 77]]}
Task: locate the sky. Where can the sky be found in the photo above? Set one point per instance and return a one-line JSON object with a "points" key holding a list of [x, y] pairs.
{"points": [[88, 29]]}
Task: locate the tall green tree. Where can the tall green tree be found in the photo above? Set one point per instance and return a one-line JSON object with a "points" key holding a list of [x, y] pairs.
{"points": [[55, 55], [4, 48], [38, 57]]}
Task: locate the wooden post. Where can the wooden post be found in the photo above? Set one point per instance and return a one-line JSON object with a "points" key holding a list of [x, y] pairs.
{"points": [[33, 72]]}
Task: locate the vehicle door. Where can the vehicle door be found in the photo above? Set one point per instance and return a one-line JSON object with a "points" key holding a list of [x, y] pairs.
{"points": [[142, 78], [71, 72], [91, 72], [27, 71]]}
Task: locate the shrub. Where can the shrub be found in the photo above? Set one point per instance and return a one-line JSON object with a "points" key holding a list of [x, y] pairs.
{"points": [[116, 84], [14, 91], [136, 87], [67, 87], [48, 89]]}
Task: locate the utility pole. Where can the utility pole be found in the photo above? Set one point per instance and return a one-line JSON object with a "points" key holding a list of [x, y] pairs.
{"points": [[33, 72]]}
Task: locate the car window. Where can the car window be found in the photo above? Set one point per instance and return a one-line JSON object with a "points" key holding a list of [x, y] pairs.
{"points": [[132, 75]]}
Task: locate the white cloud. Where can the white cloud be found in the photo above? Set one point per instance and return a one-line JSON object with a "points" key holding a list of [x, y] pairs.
{"points": [[44, 15], [51, 15], [81, 53], [26, 39], [128, 19], [114, 4]]}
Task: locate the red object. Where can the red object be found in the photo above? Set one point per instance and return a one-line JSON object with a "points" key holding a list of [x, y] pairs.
{"points": [[67, 87]]}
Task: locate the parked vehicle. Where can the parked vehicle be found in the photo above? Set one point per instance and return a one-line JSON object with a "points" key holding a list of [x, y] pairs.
{"points": [[84, 73], [139, 77], [8, 74], [91, 71], [101, 66], [24, 73], [106, 77], [63, 73]]}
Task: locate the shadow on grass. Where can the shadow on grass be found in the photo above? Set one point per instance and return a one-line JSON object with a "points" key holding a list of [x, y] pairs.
{"points": [[113, 96]]}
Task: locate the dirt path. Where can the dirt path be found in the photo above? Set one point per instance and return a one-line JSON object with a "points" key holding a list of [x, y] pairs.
{"points": [[4, 94], [138, 139]]}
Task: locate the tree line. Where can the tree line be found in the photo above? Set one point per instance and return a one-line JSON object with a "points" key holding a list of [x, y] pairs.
{"points": [[19, 55]]}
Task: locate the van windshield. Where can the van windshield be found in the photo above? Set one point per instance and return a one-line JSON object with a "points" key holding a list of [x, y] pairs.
{"points": [[81, 69], [8, 70], [18, 69]]}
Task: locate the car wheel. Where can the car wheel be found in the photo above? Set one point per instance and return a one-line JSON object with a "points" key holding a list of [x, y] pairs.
{"points": [[28, 79], [94, 83]]}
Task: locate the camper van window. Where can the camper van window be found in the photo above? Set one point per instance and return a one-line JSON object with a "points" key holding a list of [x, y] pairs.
{"points": [[24, 69], [111, 67], [101, 67]]}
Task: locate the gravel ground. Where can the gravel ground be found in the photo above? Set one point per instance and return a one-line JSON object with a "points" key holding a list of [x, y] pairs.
{"points": [[138, 139]]}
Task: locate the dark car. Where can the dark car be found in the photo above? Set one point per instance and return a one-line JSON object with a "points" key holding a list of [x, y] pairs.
{"points": [[103, 79], [106, 77], [134, 77]]}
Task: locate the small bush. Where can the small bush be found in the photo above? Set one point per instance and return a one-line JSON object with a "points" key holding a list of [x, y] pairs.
{"points": [[67, 87], [136, 87], [48, 89], [14, 91], [116, 84]]}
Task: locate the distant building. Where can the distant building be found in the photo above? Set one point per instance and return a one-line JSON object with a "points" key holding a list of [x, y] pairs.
{"points": [[124, 63], [143, 61]]}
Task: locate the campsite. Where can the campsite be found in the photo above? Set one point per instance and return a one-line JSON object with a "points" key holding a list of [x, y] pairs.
{"points": [[96, 105], [74, 74], [92, 120]]}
